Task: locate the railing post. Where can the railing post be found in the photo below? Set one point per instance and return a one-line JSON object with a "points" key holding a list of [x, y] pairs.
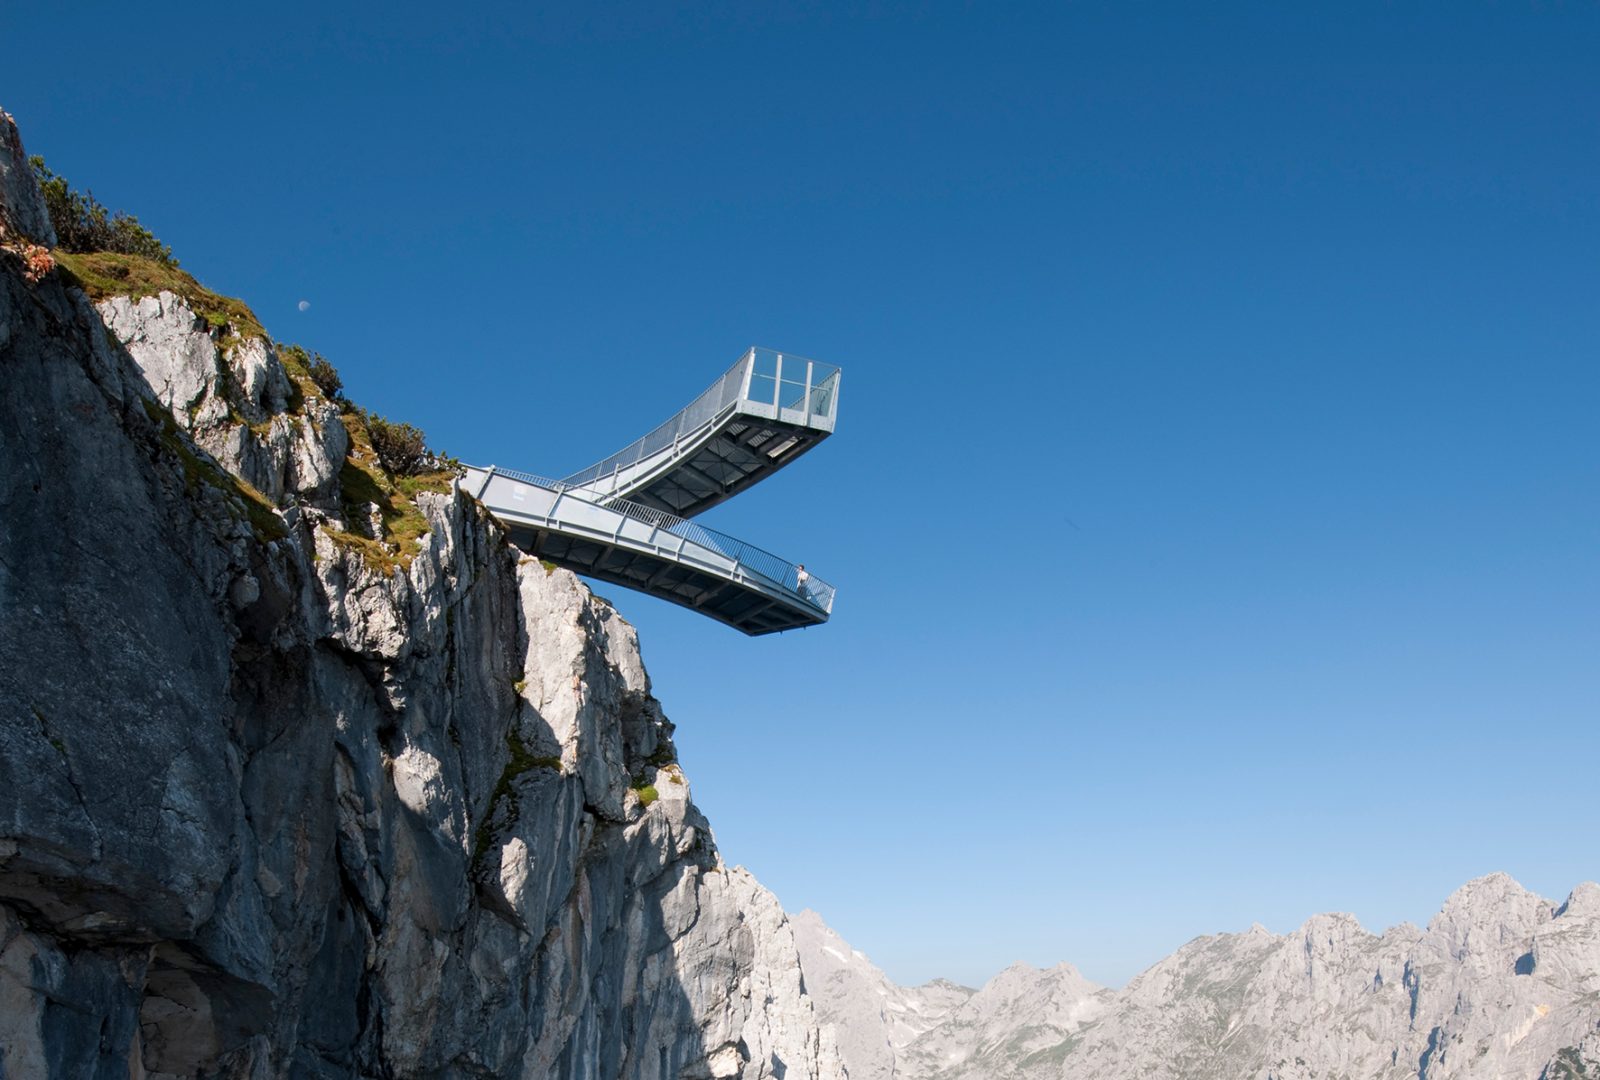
{"points": [[777, 383], [749, 369], [809, 365]]}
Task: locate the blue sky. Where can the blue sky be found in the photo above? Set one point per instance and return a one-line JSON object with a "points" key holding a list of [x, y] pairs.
{"points": [[1213, 505]]}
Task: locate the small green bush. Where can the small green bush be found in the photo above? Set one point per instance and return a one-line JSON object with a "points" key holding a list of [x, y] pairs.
{"points": [[83, 225], [326, 376], [401, 448]]}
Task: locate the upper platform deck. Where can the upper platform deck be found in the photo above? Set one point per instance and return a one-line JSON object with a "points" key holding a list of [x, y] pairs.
{"points": [[764, 412]]}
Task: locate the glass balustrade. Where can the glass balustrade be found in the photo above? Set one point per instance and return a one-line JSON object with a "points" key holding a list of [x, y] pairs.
{"points": [[789, 382], [763, 376], [752, 560]]}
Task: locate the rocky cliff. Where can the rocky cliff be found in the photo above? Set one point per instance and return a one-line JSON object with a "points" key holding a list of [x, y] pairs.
{"points": [[1501, 985], [303, 770]]}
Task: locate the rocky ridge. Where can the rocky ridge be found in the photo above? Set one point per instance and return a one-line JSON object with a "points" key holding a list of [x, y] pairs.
{"points": [[1500, 984], [283, 796], [874, 1019]]}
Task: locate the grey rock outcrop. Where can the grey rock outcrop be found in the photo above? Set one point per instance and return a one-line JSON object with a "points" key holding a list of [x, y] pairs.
{"points": [[278, 803], [1501, 984], [237, 409], [22, 210]]}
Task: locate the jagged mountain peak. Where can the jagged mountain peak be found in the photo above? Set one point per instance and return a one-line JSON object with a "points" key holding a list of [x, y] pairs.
{"points": [[1024, 980], [1331, 932], [1495, 892], [1582, 901]]}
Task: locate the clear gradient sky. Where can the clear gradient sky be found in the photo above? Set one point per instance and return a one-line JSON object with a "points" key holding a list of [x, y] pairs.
{"points": [[1214, 503]]}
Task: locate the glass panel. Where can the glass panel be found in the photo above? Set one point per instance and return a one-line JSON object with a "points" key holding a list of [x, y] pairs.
{"points": [[822, 396], [792, 391], [762, 388]]}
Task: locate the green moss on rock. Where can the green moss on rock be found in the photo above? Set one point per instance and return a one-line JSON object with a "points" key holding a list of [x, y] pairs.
{"points": [[247, 501], [520, 760]]}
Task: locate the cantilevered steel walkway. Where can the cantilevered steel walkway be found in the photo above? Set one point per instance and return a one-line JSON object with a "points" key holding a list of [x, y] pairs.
{"points": [[624, 519], [765, 411]]}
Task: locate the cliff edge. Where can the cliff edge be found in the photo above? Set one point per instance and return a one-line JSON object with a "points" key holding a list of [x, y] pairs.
{"points": [[288, 789]]}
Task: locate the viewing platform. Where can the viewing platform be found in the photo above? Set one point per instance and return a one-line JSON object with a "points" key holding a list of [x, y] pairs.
{"points": [[625, 520], [763, 413]]}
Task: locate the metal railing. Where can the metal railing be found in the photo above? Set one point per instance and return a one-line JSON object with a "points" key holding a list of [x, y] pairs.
{"points": [[791, 383], [777, 571], [764, 376]]}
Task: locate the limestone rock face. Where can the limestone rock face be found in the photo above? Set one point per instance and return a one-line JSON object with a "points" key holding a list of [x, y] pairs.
{"points": [[235, 408], [1500, 984], [272, 807], [22, 211]]}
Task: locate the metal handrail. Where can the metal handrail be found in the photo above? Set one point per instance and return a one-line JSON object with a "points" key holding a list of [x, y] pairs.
{"points": [[713, 403], [777, 570], [703, 409]]}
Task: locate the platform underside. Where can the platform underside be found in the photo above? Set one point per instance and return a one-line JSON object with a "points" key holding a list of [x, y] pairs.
{"points": [[742, 451], [740, 606]]}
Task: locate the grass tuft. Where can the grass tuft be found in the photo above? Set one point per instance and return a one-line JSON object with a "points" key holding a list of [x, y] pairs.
{"points": [[104, 274], [645, 790], [364, 482]]}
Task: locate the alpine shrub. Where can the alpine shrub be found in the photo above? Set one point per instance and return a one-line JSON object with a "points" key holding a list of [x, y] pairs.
{"points": [[401, 448], [83, 225], [326, 376]]}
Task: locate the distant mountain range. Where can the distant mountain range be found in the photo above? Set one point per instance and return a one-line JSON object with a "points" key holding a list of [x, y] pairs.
{"points": [[1501, 984]]}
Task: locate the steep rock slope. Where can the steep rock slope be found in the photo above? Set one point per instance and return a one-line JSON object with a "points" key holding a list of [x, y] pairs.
{"points": [[875, 1020], [281, 795], [1501, 984], [1022, 1015]]}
